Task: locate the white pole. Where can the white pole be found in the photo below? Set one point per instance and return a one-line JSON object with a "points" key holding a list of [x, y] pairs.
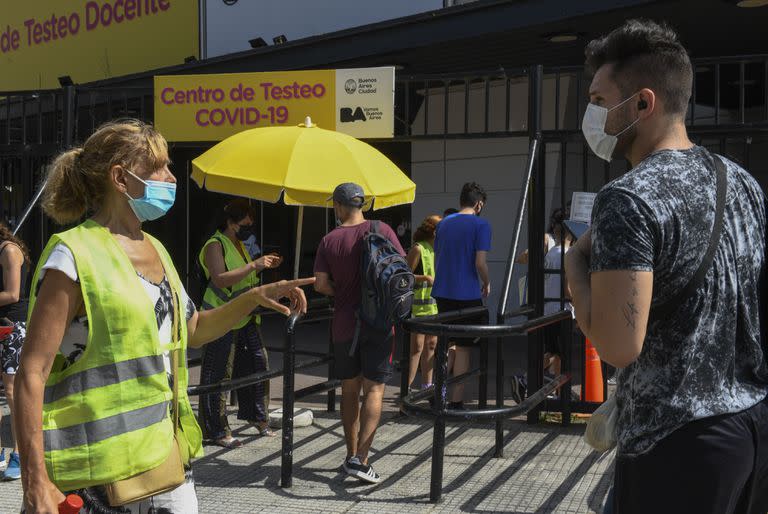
{"points": [[299, 225], [30, 207]]}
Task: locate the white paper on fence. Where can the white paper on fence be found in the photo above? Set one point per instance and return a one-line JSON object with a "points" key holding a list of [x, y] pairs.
{"points": [[581, 206]]}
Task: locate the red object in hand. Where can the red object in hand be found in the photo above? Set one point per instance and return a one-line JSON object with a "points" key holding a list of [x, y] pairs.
{"points": [[71, 505], [5, 331]]}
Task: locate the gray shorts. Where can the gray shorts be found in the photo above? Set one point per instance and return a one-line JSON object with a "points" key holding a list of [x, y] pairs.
{"points": [[372, 357]]}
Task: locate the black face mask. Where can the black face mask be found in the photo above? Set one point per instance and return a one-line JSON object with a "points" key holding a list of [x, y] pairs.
{"points": [[243, 233]]}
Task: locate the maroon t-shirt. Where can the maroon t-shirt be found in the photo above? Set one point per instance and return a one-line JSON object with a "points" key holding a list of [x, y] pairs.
{"points": [[339, 255]]}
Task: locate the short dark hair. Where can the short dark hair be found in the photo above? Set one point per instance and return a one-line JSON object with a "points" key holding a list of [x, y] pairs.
{"points": [[235, 211], [556, 219], [472, 193], [646, 54], [449, 211]]}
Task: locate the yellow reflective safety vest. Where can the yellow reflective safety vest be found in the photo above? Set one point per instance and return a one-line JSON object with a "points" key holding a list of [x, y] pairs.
{"points": [[423, 303], [106, 417], [233, 259]]}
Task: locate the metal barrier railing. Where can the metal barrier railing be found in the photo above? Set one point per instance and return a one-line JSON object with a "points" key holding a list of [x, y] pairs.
{"points": [[481, 371], [435, 325], [288, 372]]}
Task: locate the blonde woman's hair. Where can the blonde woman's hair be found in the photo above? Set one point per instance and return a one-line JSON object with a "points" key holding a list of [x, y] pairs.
{"points": [[78, 179]]}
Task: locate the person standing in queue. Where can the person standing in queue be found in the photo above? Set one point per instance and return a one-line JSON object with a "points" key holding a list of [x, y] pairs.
{"points": [[462, 281], [421, 259], [14, 262], [362, 362], [228, 267]]}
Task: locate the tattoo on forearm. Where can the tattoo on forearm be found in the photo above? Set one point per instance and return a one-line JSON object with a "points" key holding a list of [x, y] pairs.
{"points": [[630, 313]]}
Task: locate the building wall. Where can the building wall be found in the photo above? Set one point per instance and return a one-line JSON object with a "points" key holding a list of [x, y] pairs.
{"points": [[440, 167]]}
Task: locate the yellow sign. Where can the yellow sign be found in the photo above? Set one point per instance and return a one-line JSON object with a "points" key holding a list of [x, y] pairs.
{"points": [[358, 102], [91, 40]]}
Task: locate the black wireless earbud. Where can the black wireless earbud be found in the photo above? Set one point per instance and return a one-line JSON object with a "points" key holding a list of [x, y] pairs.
{"points": [[642, 105]]}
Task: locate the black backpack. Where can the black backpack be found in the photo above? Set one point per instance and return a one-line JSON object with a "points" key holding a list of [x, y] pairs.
{"points": [[386, 283]]}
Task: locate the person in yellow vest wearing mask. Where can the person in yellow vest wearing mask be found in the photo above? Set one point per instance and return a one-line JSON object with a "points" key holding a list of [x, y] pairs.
{"points": [[111, 419], [230, 271], [421, 259]]}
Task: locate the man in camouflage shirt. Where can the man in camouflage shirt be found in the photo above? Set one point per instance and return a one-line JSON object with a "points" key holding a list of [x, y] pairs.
{"points": [[692, 386]]}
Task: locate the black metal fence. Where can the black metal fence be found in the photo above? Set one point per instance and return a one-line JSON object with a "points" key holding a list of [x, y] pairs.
{"points": [[439, 326], [288, 372]]}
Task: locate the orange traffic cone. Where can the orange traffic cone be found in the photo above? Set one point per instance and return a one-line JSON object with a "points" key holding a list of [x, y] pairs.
{"points": [[592, 389]]}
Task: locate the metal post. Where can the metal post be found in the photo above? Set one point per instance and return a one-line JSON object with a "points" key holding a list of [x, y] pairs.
{"points": [[499, 446], [438, 435], [29, 208], [331, 407], [566, 338], [299, 228], [483, 377], [203, 30], [533, 150], [405, 360], [536, 218], [289, 361], [68, 117]]}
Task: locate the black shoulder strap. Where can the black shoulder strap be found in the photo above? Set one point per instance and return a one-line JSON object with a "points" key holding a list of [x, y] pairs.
{"points": [[374, 227], [668, 307], [764, 284]]}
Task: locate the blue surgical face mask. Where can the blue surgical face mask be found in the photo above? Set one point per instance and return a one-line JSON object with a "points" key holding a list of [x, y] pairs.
{"points": [[157, 200]]}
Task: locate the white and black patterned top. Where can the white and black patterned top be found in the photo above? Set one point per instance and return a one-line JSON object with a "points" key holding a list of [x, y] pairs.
{"points": [[705, 359], [61, 259]]}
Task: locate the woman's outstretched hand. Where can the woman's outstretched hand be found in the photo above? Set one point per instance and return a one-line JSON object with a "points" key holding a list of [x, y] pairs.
{"points": [[269, 295]]}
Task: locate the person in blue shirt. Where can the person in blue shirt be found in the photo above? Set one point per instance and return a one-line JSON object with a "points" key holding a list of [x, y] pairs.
{"points": [[462, 243]]}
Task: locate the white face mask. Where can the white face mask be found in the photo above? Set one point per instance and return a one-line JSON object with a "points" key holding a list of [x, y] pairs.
{"points": [[593, 128]]}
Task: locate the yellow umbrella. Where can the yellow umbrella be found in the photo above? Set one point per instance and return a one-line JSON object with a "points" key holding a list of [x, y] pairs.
{"points": [[304, 164]]}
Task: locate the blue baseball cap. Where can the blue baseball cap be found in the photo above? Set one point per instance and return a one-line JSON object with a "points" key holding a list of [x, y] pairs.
{"points": [[349, 194]]}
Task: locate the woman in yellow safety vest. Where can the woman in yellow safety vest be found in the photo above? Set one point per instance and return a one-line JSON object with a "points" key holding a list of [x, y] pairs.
{"points": [[228, 267], [101, 416], [421, 259]]}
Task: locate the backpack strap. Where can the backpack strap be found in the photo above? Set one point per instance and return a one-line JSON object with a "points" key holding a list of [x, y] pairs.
{"points": [[373, 228], [665, 309], [356, 337]]}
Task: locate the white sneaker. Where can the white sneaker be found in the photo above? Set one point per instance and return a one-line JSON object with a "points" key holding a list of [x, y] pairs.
{"points": [[364, 472], [3, 464]]}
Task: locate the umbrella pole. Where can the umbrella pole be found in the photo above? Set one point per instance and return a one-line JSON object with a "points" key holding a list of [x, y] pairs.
{"points": [[297, 259]]}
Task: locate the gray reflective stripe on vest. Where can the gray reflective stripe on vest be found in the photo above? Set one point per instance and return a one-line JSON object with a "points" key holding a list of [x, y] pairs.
{"points": [[220, 293], [429, 301], [101, 429], [223, 296], [103, 376]]}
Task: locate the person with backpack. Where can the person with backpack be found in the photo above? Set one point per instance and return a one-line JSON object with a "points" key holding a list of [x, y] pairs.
{"points": [[421, 259], [363, 336], [462, 243], [229, 271]]}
